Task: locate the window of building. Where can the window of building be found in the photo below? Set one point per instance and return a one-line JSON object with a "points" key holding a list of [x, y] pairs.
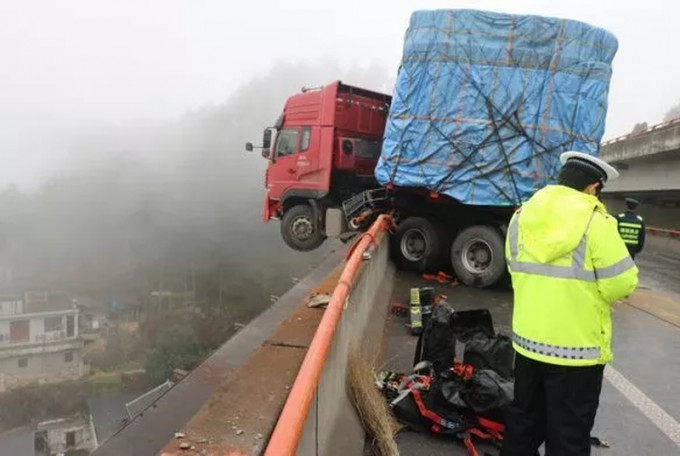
{"points": [[23, 362], [286, 140], [68, 356], [70, 439], [305, 138], [53, 324]]}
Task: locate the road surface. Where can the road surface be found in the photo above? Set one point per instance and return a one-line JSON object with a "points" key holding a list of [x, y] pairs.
{"points": [[640, 403]]}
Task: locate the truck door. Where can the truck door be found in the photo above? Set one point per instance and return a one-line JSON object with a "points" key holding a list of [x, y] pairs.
{"points": [[283, 169]]}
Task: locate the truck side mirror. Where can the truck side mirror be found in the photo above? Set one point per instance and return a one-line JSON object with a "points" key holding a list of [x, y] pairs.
{"points": [[249, 147]]}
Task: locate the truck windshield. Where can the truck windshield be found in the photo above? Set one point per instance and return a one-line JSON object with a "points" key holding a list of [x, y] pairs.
{"points": [[286, 141]]}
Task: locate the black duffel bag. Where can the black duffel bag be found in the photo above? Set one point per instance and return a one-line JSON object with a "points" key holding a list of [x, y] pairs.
{"points": [[437, 342], [494, 353], [486, 391]]}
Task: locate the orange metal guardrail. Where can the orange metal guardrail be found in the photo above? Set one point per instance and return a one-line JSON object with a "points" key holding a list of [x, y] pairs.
{"points": [[288, 431], [663, 232]]}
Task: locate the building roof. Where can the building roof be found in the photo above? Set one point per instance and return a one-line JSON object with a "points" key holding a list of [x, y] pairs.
{"points": [[47, 301], [89, 303]]}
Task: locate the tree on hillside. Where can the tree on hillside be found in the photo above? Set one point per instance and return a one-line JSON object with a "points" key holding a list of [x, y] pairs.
{"points": [[177, 348], [672, 113], [170, 206], [638, 127]]}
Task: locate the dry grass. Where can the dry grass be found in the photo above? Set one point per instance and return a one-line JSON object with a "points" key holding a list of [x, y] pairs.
{"points": [[375, 415]]}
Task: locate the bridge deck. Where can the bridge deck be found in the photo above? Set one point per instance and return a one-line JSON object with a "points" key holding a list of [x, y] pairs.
{"points": [[640, 386]]}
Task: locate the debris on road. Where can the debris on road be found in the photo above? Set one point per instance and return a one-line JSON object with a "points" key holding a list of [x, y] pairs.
{"points": [[318, 300], [399, 309], [441, 277]]}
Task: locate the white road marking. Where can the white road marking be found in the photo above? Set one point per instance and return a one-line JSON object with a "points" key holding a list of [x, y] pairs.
{"points": [[666, 423]]}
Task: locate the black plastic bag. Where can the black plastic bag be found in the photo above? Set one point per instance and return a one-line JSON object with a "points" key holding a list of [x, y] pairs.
{"points": [[495, 353], [487, 391], [437, 343], [445, 393], [469, 323], [426, 409]]}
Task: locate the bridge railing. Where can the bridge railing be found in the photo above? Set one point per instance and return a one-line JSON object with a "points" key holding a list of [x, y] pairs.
{"points": [[658, 126], [288, 431], [663, 232]]}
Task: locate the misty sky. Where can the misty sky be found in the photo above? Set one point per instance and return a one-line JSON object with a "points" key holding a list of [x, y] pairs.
{"points": [[69, 66]]}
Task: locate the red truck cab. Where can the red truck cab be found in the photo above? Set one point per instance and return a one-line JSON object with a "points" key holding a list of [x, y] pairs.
{"points": [[322, 150]]}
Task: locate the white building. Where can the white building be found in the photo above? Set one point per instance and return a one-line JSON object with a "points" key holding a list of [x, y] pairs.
{"points": [[60, 436], [39, 340]]}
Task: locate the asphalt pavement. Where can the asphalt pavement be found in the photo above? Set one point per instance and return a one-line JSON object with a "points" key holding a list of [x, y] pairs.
{"points": [[640, 403]]}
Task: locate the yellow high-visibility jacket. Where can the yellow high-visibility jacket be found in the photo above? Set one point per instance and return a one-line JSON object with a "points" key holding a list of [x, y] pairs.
{"points": [[568, 265]]}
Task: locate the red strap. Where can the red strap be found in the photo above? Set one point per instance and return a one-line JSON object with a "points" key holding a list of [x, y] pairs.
{"points": [[491, 425], [472, 451], [424, 411], [465, 371], [491, 435], [479, 433]]}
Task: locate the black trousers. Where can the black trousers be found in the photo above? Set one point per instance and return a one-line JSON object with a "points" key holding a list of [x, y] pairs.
{"points": [[552, 404]]}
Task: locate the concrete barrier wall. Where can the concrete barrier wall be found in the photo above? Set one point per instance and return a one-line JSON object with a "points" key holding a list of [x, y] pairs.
{"points": [[333, 427], [240, 416], [655, 215], [662, 245]]}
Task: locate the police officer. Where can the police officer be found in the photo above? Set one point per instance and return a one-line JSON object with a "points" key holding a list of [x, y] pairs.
{"points": [[568, 266], [632, 228]]}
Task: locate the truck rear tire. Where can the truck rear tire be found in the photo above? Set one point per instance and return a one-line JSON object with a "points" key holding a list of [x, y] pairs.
{"points": [[416, 244], [478, 256], [300, 230]]}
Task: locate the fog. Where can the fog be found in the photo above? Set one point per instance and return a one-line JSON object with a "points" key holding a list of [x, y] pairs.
{"points": [[75, 65], [171, 205], [122, 143], [146, 203], [80, 66]]}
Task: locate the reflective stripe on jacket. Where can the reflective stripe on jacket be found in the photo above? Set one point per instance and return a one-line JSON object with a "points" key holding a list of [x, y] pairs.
{"points": [[568, 265], [632, 230]]}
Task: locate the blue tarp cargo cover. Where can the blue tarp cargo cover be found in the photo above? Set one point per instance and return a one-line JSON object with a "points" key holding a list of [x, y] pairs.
{"points": [[485, 103]]}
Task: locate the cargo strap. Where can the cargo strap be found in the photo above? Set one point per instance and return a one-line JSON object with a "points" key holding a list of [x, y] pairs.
{"points": [[576, 270], [415, 383], [556, 351]]}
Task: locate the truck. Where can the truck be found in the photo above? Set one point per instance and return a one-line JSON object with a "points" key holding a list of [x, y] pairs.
{"points": [[475, 127]]}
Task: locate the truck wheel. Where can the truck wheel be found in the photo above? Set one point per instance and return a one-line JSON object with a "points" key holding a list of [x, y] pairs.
{"points": [[299, 229], [478, 256], [416, 244]]}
